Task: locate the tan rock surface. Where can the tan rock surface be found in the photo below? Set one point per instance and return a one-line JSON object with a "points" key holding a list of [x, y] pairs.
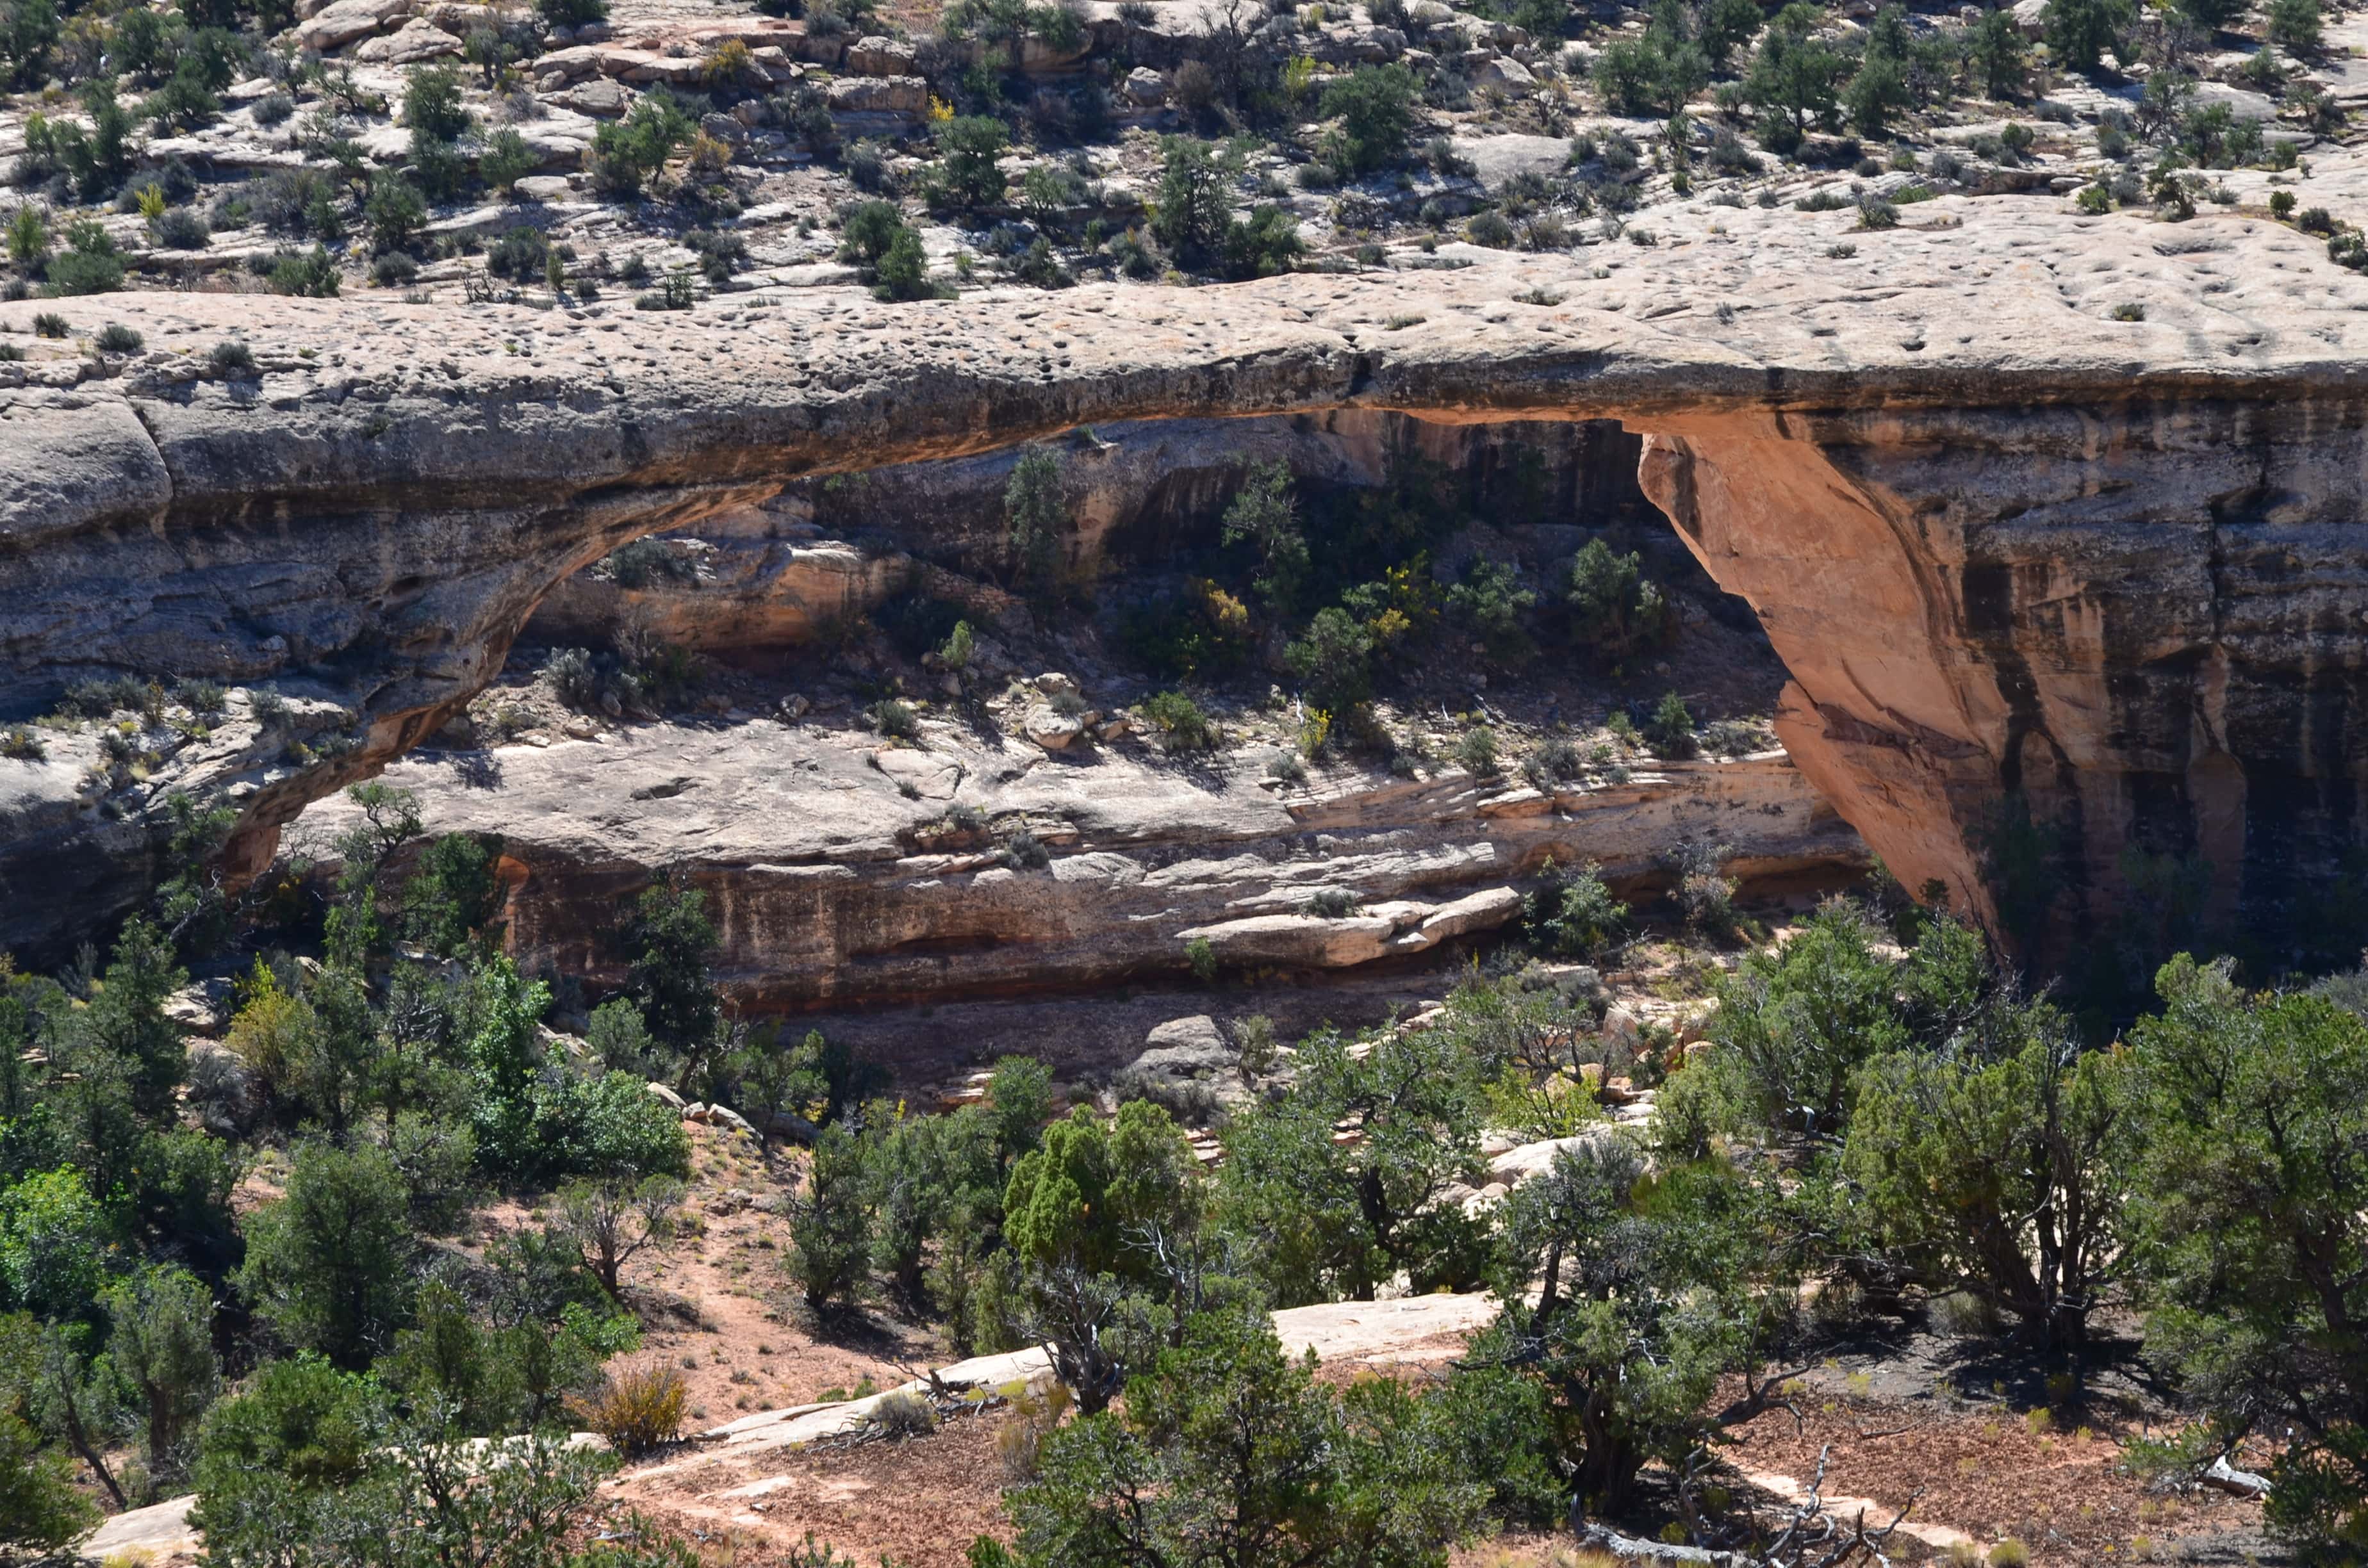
{"points": [[2007, 541], [825, 891]]}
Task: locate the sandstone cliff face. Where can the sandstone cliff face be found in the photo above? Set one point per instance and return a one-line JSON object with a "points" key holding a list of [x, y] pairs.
{"points": [[2019, 544], [831, 885], [2145, 621], [825, 552]]}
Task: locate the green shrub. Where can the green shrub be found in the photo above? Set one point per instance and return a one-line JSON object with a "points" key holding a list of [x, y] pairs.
{"points": [[395, 212], [894, 718], [230, 360], [966, 175], [519, 255], [117, 338], [507, 159], [830, 1222], [1955, 1156], [1338, 1218], [1181, 724], [328, 1265], [2295, 25], [1476, 749], [2081, 32], [1035, 520], [1609, 605], [1636, 1323], [1263, 513], [1670, 731], [1375, 106], [902, 272], [181, 228], [311, 273], [626, 153], [1202, 957], [1492, 229], [1195, 201], [1573, 914], [1334, 661], [89, 265], [1225, 1430], [1491, 603]]}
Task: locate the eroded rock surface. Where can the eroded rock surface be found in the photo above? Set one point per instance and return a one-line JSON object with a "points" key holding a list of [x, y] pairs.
{"points": [[2007, 541], [829, 885]]}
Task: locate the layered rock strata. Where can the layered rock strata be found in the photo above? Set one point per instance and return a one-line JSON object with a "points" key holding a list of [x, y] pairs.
{"points": [[2010, 542], [836, 877]]}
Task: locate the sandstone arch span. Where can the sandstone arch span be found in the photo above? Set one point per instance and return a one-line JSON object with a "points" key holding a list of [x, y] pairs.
{"points": [[2115, 570]]}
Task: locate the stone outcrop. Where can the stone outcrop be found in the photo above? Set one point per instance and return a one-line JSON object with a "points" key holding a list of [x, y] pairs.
{"points": [[2009, 543], [831, 886]]}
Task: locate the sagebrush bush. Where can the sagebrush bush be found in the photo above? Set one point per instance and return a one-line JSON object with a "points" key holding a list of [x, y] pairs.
{"points": [[638, 1408], [903, 1414], [574, 677], [1476, 750], [1331, 904], [1181, 724], [894, 718]]}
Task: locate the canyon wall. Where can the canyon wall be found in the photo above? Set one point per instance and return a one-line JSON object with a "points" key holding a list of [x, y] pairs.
{"points": [[824, 551], [2013, 547], [835, 877]]}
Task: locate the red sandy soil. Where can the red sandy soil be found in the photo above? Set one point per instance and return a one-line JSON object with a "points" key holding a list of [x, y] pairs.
{"points": [[1989, 1474]]}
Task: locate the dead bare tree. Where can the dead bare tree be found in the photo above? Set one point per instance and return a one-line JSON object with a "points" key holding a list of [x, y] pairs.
{"points": [[1806, 1537], [611, 1221]]}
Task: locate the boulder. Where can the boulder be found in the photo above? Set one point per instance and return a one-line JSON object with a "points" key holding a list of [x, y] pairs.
{"points": [[343, 21], [1297, 940], [880, 57], [1051, 728], [571, 65], [1515, 1167], [159, 1531], [880, 94], [1052, 683], [1145, 87], [1482, 911], [224, 1093], [600, 97], [1036, 55], [1185, 1048], [415, 42], [203, 1007], [1509, 75], [660, 1092]]}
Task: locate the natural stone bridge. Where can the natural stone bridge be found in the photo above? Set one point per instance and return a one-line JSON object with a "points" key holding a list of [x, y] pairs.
{"points": [[2004, 542]]}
